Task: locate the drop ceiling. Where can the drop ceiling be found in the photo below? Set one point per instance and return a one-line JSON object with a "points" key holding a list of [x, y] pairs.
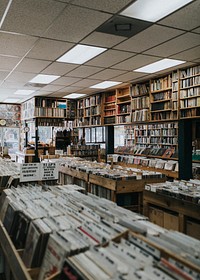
{"points": [[35, 33]]}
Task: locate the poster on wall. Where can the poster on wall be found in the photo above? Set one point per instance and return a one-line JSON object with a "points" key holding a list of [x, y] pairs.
{"points": [[10, 115]]}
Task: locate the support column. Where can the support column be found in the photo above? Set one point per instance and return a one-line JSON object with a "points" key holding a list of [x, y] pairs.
{"points": [[185, 149], [36, 141], [109, 130]]}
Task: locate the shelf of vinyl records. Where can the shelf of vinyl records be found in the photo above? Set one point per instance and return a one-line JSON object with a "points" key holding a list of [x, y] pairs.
{"points": [[70, 235], [170, 97], [175, 205], [9, 173], [119, 184]]}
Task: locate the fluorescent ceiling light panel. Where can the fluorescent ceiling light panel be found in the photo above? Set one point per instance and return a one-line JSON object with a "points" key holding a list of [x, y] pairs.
{"points": [[44, 79], [106, 84], [159, 65], [80, 54], [24, 92], [74, 95], [11, 100], [153, 10]]}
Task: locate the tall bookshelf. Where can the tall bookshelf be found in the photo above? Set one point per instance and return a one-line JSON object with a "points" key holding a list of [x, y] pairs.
{"points": [[49, 111], [161, 105], [190, 92], [110, 108], [89, 111], [123, 101], [140, 102]]}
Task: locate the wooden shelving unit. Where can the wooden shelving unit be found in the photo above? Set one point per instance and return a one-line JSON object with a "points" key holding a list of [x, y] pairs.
{"points": [[109, 108], [140, 102], [89, 111], [163, 104], [111, 189], [48, 108], [190, 92], [123, 105], [47, 111], [182, 215]]}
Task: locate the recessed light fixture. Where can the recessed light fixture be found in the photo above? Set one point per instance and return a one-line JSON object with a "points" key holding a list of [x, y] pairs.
{"points": [[106, 84], [24, 92], [159, 65], [80, 54], [11, 100], [74, 95], [44, 79], [153, 10]]}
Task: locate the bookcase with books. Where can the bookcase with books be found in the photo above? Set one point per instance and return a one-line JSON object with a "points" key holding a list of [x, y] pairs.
{"points": [[123, 105], [89, 111], [129, 135], [95, 109], [190, 92], [48, 107], [109, 107], [161, 104], [140, 102]]}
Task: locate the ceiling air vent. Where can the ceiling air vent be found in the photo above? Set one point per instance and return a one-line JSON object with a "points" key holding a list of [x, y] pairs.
{"points": [[123, 26]]}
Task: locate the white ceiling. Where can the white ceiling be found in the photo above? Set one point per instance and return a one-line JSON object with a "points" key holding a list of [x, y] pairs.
{"points": [[35, 33]]}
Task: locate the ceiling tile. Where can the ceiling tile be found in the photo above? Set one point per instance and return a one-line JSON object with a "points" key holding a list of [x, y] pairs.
{"points": [[3, 74], [176, 45], [89, 90], [136, 62], [32, 65], [3, 5], [49, 49], [42, 92], [15, 45], [58, 68], [6, 92], [8, 62], [76, 23], [20, 77], [65, 81], [148, 38], [128, 77], [196, 30], [111, 6], [69, 89], [102, 40], [86, 83], [186, 18], [65, 1], [84, 71], [109, 58], [32, 17], [52, 87], [12, 85], [107, 74], [188, 55], [197, 60]]}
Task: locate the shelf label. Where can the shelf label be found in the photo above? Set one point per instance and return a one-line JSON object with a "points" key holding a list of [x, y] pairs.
{"points": [[49, 171], [38, 171], [29, 172]]}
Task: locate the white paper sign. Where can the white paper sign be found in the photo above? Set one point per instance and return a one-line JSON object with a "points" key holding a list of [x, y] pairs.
{"points": [[29, 172], [49, 171], [38, 171]]}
